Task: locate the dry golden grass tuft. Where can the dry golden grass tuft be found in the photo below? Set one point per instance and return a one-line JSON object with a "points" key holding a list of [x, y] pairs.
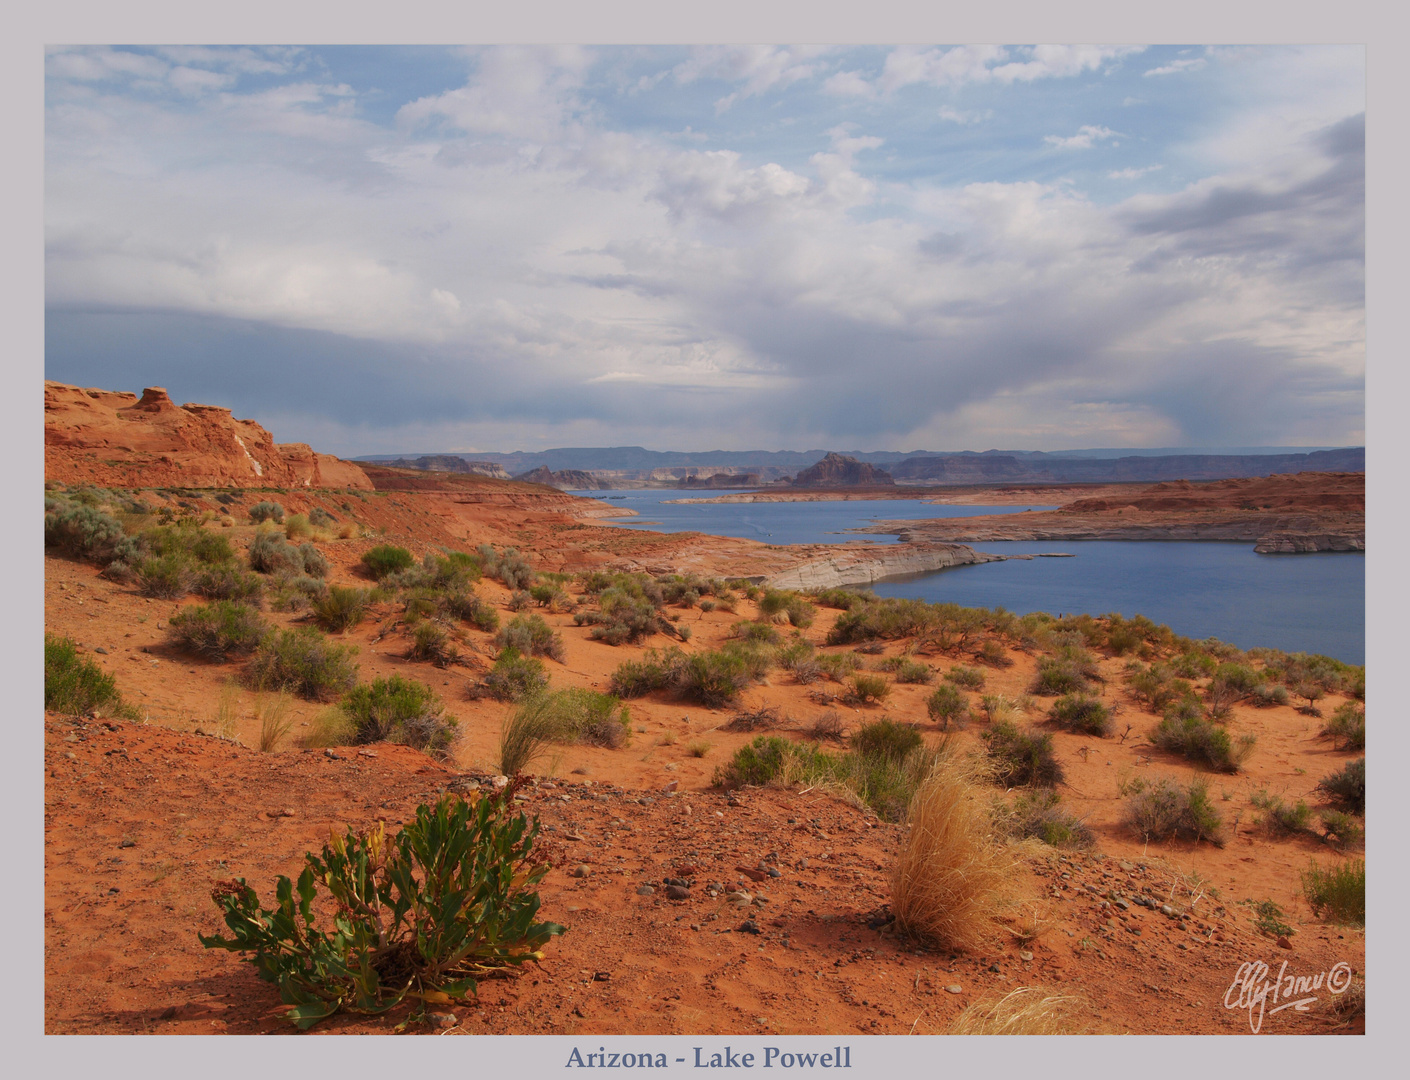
{"points": [[952, 878], [1029, 1010]]}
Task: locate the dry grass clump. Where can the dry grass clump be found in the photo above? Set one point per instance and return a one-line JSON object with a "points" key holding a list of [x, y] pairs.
{"points": [[1029, 1010], [760, 719], [951, 877]]}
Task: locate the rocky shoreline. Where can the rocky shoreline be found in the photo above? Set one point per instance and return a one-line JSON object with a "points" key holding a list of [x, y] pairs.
{"points": [[863, 565]]}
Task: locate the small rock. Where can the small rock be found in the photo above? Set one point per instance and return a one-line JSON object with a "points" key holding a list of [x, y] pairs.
{"points": [[499, 783], [582, 870], [749, 926], [331, 754], [128, 843], [169, 1013], [1284, 943], [101, 650], [1167, 910], [994, 968], [739, 896], [773, 872], [672, 786], [601, 976], [953, 989], [1025, 955], [731, 801], [443, 1020], [1122, 904], [677, 892], [646, 890]]}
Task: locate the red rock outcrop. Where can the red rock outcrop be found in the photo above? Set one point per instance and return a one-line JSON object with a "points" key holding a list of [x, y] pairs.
{"points": [[115, 439], [837, 470]]}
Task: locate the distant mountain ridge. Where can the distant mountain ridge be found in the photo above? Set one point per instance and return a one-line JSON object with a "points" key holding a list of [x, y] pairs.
{"points": [[634, 466]]}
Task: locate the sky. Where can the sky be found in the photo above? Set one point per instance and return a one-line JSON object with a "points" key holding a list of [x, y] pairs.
{"points": [[418, 249]]}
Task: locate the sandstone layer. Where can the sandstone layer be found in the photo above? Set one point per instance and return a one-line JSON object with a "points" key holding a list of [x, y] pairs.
{"points": [[848, 564], [115, 439]]}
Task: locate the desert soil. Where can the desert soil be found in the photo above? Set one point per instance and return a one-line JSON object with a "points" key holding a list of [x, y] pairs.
{"points": [[142, 818]]}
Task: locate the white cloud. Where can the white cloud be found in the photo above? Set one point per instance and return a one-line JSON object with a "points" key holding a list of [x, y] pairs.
{"points": [[1086, 135], [955, 116], [760, 68], [1177, 67], [1132, 174]]}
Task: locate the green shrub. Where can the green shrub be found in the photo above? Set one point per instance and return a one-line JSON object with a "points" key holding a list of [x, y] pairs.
{"points": [[515, 676], [1278, 816], [1162, 810], [947, 705], [1194, 665], [1021, 758], [1268, 918], [530, 635], [468, 606], [1339, 828], [837, 666], [797, 654], [76, 686], [712, 678], [585, 716], [340, 608], [1347, 727], [270, 553], [1038, 815], [432, 644], [756, 633], [218, 630], [83, 532], [314, 564], [526, 733], [403, 711], [302, 661], [910, 671], [1056, 676], [1081, 714], [1347, 787], [624, 615], [320, 518], [756, 763], [1337, 892], [447, 900], [868, 689], [655, 671], [844, 599], [267, 511], [1197, 739], [886, 738], [229, 582], [781, 605], [386, 559], [295, 592], [169, 577], [508, 567], [967, 677], [1267, 695]]}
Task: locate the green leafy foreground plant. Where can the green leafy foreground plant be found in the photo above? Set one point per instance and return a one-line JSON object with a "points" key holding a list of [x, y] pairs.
{"points": [[419, 915]]}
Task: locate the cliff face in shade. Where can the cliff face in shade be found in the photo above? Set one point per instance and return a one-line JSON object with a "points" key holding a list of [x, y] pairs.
{"points": [[449, 463], [566, 480], [115, 439], [835, 470]]}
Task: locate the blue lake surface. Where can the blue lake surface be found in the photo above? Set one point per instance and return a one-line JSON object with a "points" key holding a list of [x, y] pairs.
{"points": [[1299, 603]]}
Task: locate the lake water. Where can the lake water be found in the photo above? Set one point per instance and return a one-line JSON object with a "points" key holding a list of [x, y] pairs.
{"points": [[1299, 603]]}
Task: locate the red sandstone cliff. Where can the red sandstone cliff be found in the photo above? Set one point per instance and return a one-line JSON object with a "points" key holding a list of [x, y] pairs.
{"points": [[116, 440]]}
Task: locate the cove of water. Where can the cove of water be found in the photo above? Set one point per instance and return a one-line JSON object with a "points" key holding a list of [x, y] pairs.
{"points": [[1312, 603]]}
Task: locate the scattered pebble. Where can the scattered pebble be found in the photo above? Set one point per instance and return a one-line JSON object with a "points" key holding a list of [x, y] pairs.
{"points": [[677, 892], [953, 989], [582, 870]]}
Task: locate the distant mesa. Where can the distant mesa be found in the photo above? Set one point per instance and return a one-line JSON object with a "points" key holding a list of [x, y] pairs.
{"points": [[449, 463], [115, 439], [836, 470], [721, 480], [990, 468], [566, 480]]}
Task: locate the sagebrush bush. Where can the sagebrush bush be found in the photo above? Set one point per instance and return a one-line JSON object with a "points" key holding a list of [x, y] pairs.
{"points": [[1340, 828], [1196, 739], [781, 605], [713, 678], [1347, 727], [530, 635], [267, 511], [85, 532], [585, 716], [1347, 787], [432, 643], [636, 678], [1039, 815], [386, 559], [947, 705], [270, 553], [1081, 714], [756, 633], [302, 661], [340, 608], [868, 689], [886, 738], [967, 677], [295, 592], [218, 630], [423, 914], [1057, 676], [910, 671], [469, 607], [844, 599], [229, 582], [76, 686], [400, 710], [1337, 892], [167, 577], [515, 676], [507, 567], [754, 764], [1162, 810], [1021, 758], [1280, 817]]}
